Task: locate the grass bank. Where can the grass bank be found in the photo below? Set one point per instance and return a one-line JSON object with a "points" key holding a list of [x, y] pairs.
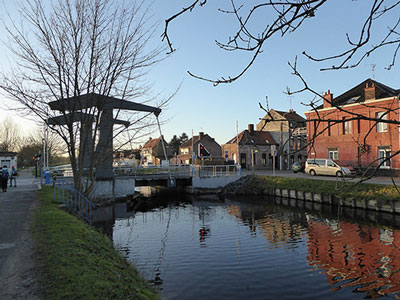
{"points": [[78, 262], [257, 184]]}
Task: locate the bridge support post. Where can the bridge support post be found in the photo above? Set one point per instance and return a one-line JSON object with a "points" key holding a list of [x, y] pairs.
{"points": [[118, 187]]}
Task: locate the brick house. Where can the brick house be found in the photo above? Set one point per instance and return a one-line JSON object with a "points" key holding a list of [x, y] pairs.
{"points": [[152, 151], [343, 134], [254, 149], [289, 129], [186, 151]]}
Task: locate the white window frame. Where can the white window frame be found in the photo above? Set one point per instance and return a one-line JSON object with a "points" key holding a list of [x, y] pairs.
{"points": [[381, 126], [184, 150], [333, 154], [347, 127], [384, 153]]}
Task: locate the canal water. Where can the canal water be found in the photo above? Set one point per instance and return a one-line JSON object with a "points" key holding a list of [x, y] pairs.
{"points": [[256, 249]]}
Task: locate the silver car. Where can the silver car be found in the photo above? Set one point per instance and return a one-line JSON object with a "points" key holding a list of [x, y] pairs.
{"points": [[322, 166]]}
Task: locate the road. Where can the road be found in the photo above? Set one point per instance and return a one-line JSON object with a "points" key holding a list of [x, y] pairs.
{"points": [[374, 180]]}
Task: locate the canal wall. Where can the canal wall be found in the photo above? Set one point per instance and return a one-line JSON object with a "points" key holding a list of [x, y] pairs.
{"points": [[210, 184], [379, 205]]}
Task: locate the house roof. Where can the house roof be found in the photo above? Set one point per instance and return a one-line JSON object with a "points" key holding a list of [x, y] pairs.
{"points": [[196, 139], [8, 153], [257, 138], [357, 94], [151, 143], [157, 148], [291, 115]]}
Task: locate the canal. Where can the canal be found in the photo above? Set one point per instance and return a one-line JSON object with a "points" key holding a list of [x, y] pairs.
{"points": [[191, 248]]}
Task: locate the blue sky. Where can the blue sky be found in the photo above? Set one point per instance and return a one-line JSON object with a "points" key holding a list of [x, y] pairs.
{"points": [[199, 106]]}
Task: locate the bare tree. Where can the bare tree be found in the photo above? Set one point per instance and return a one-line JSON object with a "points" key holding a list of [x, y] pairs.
{"points": [[283, 17], [286, 16], [73, 48], [10, 135]]}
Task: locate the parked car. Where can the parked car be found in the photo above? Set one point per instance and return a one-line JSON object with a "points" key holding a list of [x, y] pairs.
{"points": [[322, 166], [298, 166]]}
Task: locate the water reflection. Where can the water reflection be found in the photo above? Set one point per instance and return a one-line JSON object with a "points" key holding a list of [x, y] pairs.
{"points": [[359, 256], [208, 249]]}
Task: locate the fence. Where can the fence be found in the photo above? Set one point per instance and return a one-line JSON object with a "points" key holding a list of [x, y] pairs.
{"points": [[66, 193], [154, 171], [216, 171], [175, 171]]}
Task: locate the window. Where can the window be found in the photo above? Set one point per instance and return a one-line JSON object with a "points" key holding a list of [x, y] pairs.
{"points": [[358, 126], [380, 126], [329, 128], [333, 153], [346, 126], [184, 150], [264, 158], [384, 157], [331, 163]]}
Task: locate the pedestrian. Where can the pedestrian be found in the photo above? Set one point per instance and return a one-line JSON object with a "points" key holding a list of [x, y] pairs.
{"points": [[4, 178], [13, 176]]}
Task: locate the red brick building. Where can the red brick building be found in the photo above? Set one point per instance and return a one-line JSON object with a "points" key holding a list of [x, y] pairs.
{"points": [[339, 129]]}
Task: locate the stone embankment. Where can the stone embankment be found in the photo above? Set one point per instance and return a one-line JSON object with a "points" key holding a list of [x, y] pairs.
{"points": [[255, 185]]}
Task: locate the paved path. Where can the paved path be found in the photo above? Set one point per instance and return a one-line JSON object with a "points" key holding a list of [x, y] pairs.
{"points": [[374, 180], [17, 268]]}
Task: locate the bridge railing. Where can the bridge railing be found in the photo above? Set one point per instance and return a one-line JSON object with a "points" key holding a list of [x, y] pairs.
{"points": [[60, 172], [175, 171], [140, 171], [216, 170], [65, 192]]}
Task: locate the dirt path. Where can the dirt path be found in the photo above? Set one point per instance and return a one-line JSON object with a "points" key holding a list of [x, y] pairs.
{"points": [[17, 263]]}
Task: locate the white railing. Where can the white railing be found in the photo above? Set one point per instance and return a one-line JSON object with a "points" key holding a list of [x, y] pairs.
{"points": [[61, 171], [174, 171], [154, 171], [216, 171]]}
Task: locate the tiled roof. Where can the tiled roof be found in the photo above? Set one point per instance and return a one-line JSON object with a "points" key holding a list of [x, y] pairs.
{"points": [[291, 116], [196, 139], [157, 148], [188, 143], [257, 138], [357, 94]]}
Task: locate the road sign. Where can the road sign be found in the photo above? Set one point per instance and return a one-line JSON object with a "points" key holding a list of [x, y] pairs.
{"points": [[226, 154]]}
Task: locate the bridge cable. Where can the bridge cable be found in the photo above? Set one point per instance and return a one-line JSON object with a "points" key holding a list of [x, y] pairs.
{"points": [[165, 151]]}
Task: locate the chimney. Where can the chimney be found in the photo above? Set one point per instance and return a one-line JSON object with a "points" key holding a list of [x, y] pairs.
{"points": [[201, 134], [369, 91], [328, 98], [251, 128]]}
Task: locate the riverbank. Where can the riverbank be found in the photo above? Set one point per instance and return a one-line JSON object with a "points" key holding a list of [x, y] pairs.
{"points": [[77, 262], [259, 184]]}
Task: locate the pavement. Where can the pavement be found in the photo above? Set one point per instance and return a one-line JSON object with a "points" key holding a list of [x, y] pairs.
{"points": [[17, 263], [374, 180]]}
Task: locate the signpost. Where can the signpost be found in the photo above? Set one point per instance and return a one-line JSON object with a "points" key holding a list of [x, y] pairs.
{"points": [[274, 153]]}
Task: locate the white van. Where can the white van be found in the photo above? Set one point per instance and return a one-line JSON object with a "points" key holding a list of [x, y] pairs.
{"points": [[322, 166]]}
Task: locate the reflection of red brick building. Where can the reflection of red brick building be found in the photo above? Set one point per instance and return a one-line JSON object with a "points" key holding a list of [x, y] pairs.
{"points": [[365, 257], [344, 140]]}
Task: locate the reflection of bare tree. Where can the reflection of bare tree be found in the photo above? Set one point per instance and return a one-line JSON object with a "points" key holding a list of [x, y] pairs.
{"points": [[157, 270], [358, 256]]}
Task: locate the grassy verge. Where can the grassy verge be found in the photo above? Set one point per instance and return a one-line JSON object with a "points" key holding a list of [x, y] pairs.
{"points": [[257, 184], [77, 262]]}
